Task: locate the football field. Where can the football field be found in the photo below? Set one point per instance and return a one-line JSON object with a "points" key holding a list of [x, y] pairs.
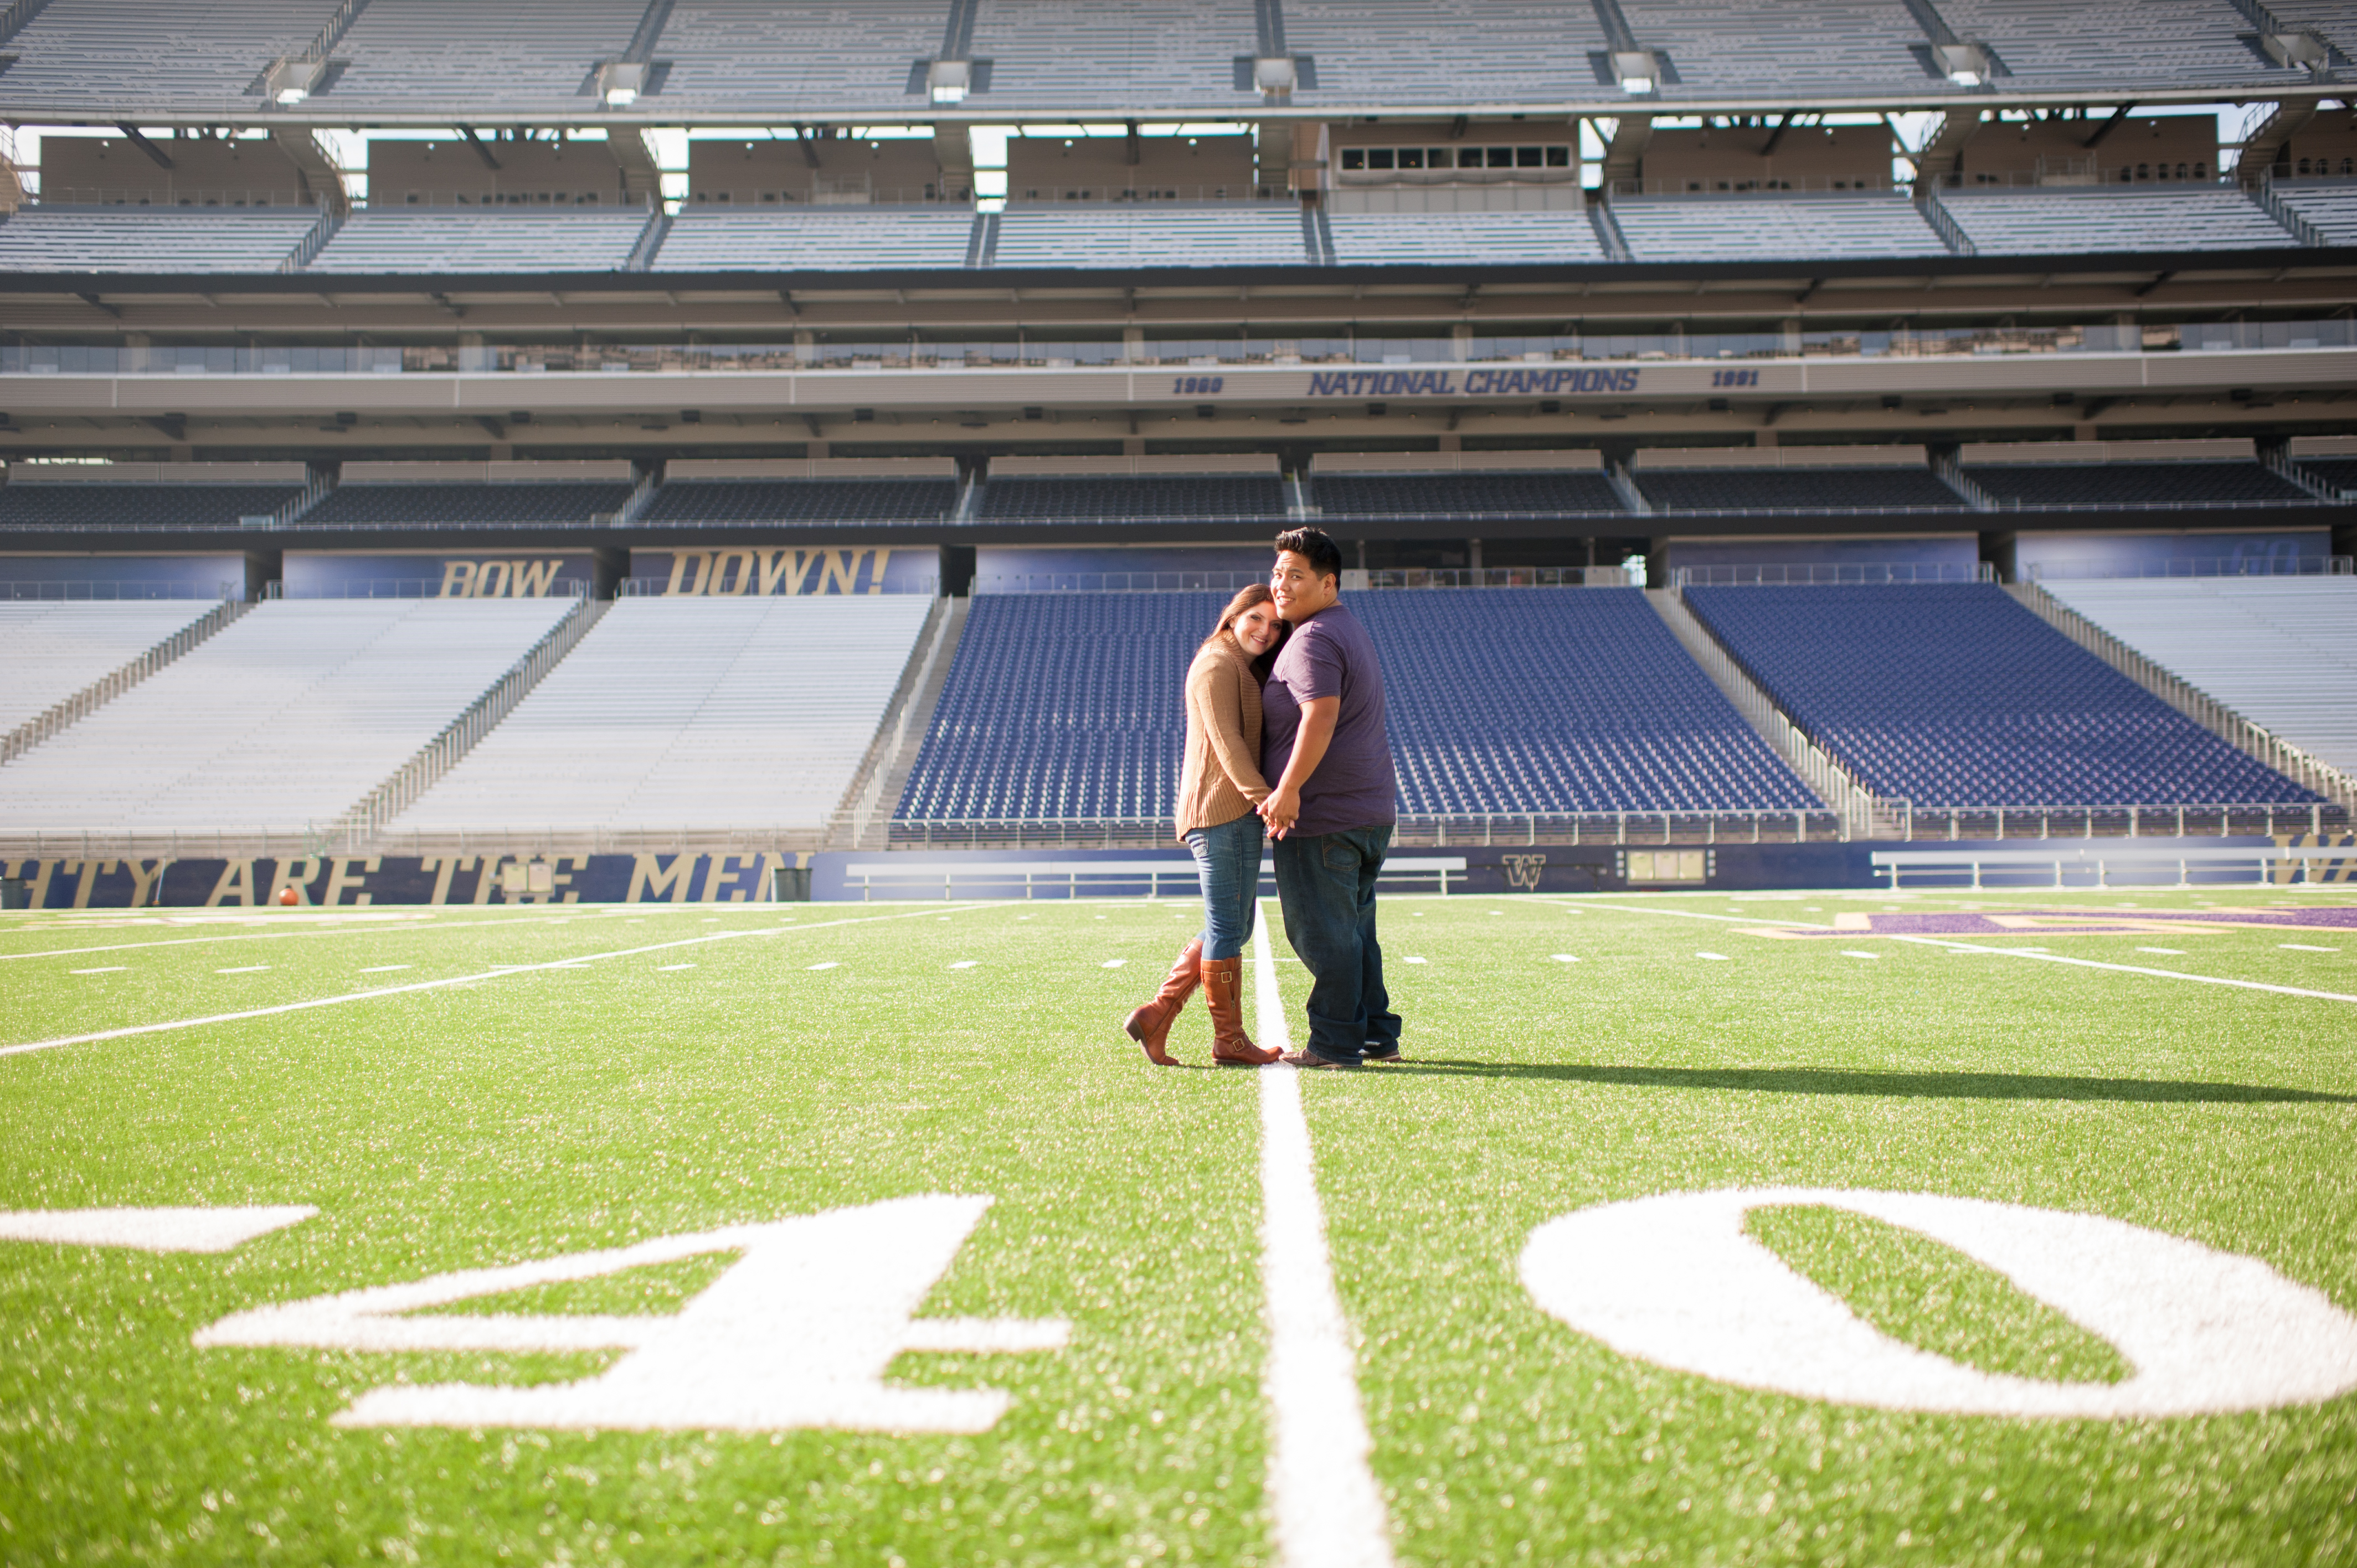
{"points": [[1840, 1227]]}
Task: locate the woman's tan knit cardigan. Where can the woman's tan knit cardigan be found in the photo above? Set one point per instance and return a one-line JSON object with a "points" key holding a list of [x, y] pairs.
{"points": [[1221, 780]]}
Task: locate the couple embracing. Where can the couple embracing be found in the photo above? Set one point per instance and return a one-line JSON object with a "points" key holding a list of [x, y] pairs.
{"points": [[1285, 739]]}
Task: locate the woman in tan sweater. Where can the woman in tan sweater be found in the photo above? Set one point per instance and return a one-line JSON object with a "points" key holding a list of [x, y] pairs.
{"points": [[1220, 786]]}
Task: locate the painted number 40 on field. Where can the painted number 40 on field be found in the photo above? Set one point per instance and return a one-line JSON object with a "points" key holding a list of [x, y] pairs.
{"points": [[797, 1333]]}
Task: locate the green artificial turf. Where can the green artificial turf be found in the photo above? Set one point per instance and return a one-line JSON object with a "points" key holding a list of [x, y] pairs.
{"points": [[513, 1116]]}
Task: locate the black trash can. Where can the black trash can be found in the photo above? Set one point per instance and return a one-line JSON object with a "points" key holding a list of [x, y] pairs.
{"points": [[16, 893], [791, 885]]}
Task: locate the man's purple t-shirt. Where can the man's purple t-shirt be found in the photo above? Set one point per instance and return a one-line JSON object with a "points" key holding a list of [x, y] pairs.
{"points": [[1330, 655]]}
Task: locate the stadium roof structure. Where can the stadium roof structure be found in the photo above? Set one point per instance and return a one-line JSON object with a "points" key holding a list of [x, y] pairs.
{"points": [[758, 62]]}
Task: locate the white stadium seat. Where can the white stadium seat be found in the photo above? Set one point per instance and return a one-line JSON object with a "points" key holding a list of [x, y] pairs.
{"points": [[689, 714], [52, 648], [287, 717]]}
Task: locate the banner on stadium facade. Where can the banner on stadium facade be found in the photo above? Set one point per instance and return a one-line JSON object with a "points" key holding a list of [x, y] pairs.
{"points": [[764, 571], [438, 575], [353, 881]]}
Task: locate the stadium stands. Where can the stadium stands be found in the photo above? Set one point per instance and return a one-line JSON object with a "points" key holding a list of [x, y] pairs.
{"points": [[1501, 700], [1953, 695], [52, 649], [1559, 700], [1058, 52], [1463, 496], [734, 53], [442, 241], [1438, 51], [2132, 484], [128, 52], [1062, 705], [1141, 498], [2281, 651], [1493, 239], [286, 717], [377, 504], [2336, 473], [1758, 46], [1748, 228], [1230, 234], [2044, 44], [838, 238], [2103, 219], [515, 55], [151, 239], [1806, 489], [2331, 208], [685, 716], [31, 505], [730, 501]]}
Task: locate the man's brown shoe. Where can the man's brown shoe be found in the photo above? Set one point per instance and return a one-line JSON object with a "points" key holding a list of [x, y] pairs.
{"points": [[1223, 993], [1150, 1026]]}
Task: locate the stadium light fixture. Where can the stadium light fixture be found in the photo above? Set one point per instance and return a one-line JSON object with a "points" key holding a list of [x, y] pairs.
{"points": [[1275, 76], [1967, 65], [619, 84], [1637, 71], [949, 79], [290, 79]]}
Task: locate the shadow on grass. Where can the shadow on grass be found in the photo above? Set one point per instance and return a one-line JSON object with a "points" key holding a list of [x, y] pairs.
{"points": [[1904, 1085]]}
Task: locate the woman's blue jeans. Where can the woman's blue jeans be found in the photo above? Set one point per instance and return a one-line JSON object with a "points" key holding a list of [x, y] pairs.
{"points": [[1227, 859]]}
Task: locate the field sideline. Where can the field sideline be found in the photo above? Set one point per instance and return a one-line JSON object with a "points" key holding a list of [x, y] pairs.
{"points": [[1043, 1337]]}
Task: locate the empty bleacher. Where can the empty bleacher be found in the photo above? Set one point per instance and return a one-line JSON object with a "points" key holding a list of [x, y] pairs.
{"points": [[1134, 499], [679, 715], [376, 504], [30, 505], [2132, 484], [150, 240], [2339, 474], [1435, 52], [289, 716], [1504, 699], [1751, 228], [1230, 234], [2281, 651], [53, 649], [737, 501], [1054, 53], [2331, 206], [2101, 219], [731, 53], [807, 240], [1062, 705], [1559, 700], [440, 241], [1488, 238], [2046, 44], [1795, 489], [516, 54], [1766, 47], [1956, 695], [131, 52], [1463, 495]]}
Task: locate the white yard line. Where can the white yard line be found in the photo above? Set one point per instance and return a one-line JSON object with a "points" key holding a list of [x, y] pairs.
{"points": [[356, 928], [500, 973], [1329, 1513], [2041, 955]]}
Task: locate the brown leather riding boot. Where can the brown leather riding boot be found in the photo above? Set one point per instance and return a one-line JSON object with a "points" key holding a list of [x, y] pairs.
{"points": [[1223, 993], [1150, 1025]]}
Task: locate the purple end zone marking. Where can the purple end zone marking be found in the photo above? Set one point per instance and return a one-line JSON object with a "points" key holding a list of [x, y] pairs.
{"points": [[2091, 921]]}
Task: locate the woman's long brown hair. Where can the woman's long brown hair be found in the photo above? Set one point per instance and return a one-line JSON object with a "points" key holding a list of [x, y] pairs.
{"points": [[1257, 594]]}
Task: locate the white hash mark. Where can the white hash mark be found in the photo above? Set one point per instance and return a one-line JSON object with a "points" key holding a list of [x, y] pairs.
{"points": [[151, 1229]]}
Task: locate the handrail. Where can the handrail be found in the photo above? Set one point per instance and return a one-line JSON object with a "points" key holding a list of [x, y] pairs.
{"points": [[113, 685], [2300, 765], [441, 754]]}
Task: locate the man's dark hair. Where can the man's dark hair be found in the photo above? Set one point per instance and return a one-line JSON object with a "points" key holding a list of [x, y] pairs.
{"points": [[1314, 545]]}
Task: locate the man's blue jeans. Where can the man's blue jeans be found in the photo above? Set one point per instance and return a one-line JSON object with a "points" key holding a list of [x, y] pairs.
{"points": [[1227, 861], [1326, 884]]}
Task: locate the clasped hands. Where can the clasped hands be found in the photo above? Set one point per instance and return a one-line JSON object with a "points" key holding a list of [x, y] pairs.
{"points": [[1280, 810]]}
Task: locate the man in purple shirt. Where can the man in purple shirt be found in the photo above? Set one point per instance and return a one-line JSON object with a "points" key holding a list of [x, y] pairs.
{"points": [[1332, 805]]}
